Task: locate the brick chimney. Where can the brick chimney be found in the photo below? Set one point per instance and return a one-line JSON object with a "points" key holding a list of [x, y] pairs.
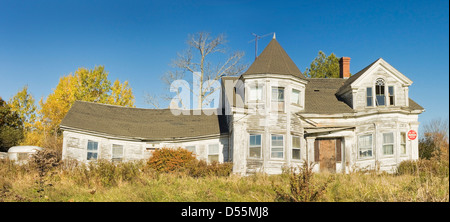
{"points": [[344, 67]]}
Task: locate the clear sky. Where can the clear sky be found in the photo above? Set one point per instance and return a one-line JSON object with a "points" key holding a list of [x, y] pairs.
{"points": [[40, 41]]}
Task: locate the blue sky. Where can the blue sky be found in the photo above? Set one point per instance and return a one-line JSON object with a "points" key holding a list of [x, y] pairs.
{"points": [[40, 41]]}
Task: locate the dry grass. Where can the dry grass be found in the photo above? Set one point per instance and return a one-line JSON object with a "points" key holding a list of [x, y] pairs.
{"points": [[132, 181]]}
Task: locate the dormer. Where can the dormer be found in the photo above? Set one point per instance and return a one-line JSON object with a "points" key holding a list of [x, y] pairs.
{"points": [[377, 86]]}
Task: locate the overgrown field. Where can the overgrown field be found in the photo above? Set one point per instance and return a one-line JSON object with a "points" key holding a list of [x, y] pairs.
{"points": [[48, 181]]}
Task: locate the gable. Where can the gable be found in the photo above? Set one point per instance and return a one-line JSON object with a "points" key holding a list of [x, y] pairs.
{"points": [[379, 66]]}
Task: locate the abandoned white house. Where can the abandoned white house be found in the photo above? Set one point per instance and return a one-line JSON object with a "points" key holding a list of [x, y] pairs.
{"points": [[272, 117]]}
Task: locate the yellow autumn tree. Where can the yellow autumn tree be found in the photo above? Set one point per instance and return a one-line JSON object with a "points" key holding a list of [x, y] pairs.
{"points": [[91, 85]]}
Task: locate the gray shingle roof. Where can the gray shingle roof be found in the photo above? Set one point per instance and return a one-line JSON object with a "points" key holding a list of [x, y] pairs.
{"points": [[274, 60], [145, 124]]}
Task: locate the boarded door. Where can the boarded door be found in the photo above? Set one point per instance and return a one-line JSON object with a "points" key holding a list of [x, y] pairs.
{"points": [[327, 152]]}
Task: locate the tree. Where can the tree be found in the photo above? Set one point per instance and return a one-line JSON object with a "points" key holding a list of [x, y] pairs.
{"points": [[11, 127], [323, 66], [91, 85], [205, 59], [434, 143], [24, 105]]}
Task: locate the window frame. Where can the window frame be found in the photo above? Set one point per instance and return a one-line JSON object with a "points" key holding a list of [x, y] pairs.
{"points": [[298, 102], [258, 91], [195, 148], [275, 100], [380, 86], [213, 154], [403, 144], [250, 146], [296, 148], [277, 147], [116, 159], [391, 97], [365, 148], [369, 98], [96, 151], [383, 151]]}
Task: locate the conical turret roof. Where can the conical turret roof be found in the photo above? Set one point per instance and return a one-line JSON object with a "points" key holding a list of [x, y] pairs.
{"points": [[274, 60]]}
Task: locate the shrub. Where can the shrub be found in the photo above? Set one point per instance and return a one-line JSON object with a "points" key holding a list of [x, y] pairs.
{"points": [[423, 167], [302, 185], [170, 160]]}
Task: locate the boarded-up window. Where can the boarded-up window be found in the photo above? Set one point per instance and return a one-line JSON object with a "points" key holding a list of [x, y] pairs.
{"points": [[117, 153], [92, 150], [213, 153], [338, 150], [316, 151]]}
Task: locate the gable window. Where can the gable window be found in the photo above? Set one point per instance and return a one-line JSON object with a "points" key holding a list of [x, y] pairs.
{"points": [[256, 93], [117, 153], [403, 143], [391, 95], [295, 147], [369, 96], [213, 153], [365, 146], [277, 99], [255, 146], [277, 148], [295, 97], [191, 149], [379, 92], [92, 150], [388, 143]]}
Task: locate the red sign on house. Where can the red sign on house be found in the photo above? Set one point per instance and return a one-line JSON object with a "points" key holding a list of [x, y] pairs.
{"points": [[412, 135]]}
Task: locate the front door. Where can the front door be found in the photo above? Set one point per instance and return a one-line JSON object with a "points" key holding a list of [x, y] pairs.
{"points": [[325, 154]]}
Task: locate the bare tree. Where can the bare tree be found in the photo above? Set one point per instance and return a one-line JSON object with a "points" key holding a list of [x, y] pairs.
{"points": [[206, 59]]}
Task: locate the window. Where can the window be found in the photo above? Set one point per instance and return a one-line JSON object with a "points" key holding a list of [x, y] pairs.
{"points": [[92, 150], [213, 153], [191, 149], [255, 146], [365, 146], [117, 153], [295, 147], [379, 92], [256, 93], [277, 147], [391, 95], [277, 99], [369, 96], [295, 97], [388, 143], [403, 143]]}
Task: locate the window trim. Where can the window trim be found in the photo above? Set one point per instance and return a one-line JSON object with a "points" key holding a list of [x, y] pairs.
{"points": [[271, 147], [213, 154], [255, 146], [380, 83], [257, 87], [299, 148], [112, 152], [391, 100], [92, 151], [298, 103], [371, 147], [388, 144], [371, 97], [195, 148], [405, 143]]}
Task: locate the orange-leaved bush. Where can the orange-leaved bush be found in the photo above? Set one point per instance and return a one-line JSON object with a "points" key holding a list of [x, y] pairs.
{"points": [[170, 160]]}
